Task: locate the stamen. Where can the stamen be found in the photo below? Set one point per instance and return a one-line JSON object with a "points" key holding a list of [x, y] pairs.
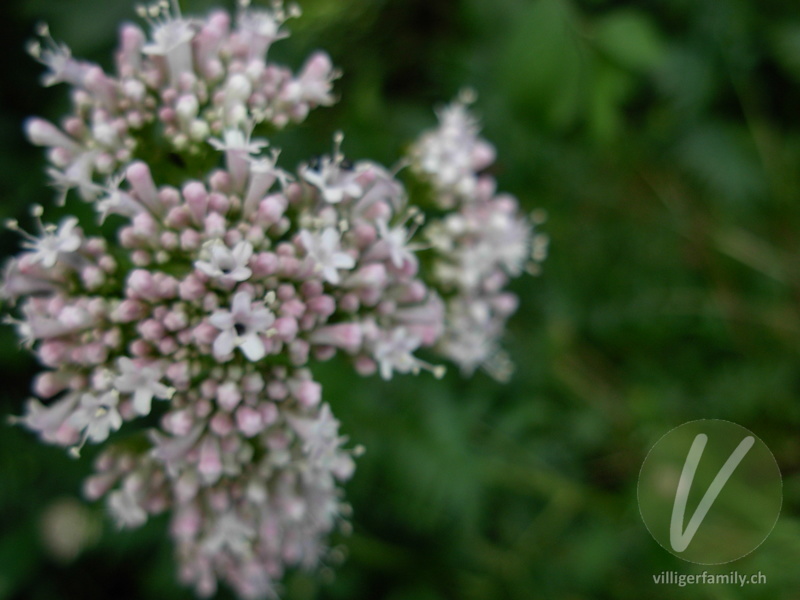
{"points": [[75, 451], [467, 96]]}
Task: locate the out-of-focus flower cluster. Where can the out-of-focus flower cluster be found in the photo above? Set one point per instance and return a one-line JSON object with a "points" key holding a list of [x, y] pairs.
{"points": [[479, 241], [201, 317]]}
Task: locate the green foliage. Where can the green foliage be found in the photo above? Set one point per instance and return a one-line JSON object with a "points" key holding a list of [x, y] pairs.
{"points": [[663, 140]]}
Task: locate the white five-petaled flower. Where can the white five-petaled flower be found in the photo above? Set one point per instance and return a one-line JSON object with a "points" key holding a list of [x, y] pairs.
{"points": [[172, 38], [55, 242], [78, 175], [332, 180], [57, 58], [230, 533], [238, 149], [242, 327], [324, 248], [143, 381], [394, 352], [117, 201], [395, 241], [235, 140], [125, 509], [97, 415], [226, 264]]}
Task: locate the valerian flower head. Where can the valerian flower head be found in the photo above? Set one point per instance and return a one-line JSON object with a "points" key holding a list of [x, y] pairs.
{"points": [[203, 314]]}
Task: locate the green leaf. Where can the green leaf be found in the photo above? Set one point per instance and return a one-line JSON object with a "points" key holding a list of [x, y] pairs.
{"points": [[786, 48], [629, 38], [543, 64]]}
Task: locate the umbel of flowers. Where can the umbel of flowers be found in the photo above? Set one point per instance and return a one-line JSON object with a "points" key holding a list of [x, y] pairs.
{"points": [[227, 277]]}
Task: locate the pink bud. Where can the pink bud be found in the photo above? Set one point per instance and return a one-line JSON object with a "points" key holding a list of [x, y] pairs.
{"points": [[228, 396], [298, 352], [264, 264], [221, 424], [151, 330], [269, 413], [96, 486], [286, 328], [277, 390], [324, 305], [249, 421], [215, 224], [179, 423], [210, 464], [349, 303], [220, 181], [44, 133], [141, 180], [365, 366], [271, 209], [253, 383], [312, 288], [190, 239], [219, 203], [208, 389], [483, 155], [95, 353], [168, 346], [308, 393], [140, 348], [293, 308], [92, 277], [191, 289], [128, 311], [49, 384], [205, 334], [52, 353], [140, 284]]}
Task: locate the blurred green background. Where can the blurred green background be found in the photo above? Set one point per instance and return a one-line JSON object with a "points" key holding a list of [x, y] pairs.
{"points": [[663, 140]]}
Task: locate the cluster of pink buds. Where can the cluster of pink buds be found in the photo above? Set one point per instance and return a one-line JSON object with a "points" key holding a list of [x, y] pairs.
{"points": [[202, 318]]}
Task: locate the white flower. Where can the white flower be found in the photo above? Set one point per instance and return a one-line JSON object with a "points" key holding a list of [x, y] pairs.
{"points": [[226, 264], [394, 241], [234, 140], [172, 39], [314, 83], [171, 451], [125, 510], [97, 416], [118, 202], [238, 149], [15, 283], [259, 29], [241, 327], [332, 180], [510, 241], [143, 382], [231, 533], [77, 175], [47, 421], [393, 351], [324, 248], [58, 58], [55, 243]]}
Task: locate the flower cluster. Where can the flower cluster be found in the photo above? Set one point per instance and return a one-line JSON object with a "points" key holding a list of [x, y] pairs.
{"points": [[479, 242], [201, 318]]}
